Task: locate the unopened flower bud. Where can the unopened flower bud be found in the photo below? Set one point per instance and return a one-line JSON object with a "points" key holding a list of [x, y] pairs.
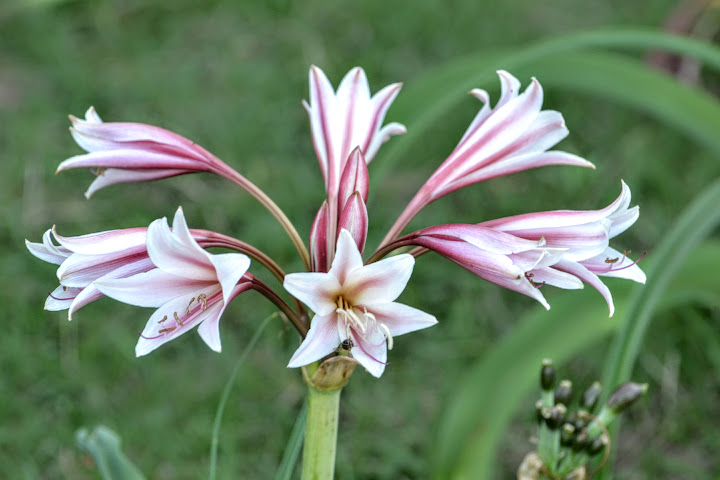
{"points": [[625, 395], [564, 392], [538, 411], [547, 375], [567, 434], [591, 396], [597, 445], [580, 441], [556, 417]]}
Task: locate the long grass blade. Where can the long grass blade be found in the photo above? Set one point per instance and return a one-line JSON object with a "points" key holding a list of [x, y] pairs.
{"points": [[469, 434], [292, 450], [226, 394]]}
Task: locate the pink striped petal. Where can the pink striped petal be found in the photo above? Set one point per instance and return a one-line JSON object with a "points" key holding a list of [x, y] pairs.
{"points": [[61, 298], [371, 352], [354, 219], [209, 329], [318, 240], [588, 277], [88, 295], [321, 340], [178, 316], [81, 270], [230, 268], [380, 282], [612, 263], [479, 236], [556, 278], [47, 251], [401, 319], [354, 179], [347, 257], [102, 243], [130, 159], [154, 288], [318, 291], [115, 176], [173, 254]]}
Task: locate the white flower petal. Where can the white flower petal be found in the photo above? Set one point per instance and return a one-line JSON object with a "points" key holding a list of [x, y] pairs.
{"points": [[152, 289], [347, 257], [380, 282], [322, 339], [230, 268], [402, 319], [318, 291], [371, 352], [173, 254]]}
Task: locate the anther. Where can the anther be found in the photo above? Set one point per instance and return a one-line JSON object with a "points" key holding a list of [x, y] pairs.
{"points": [[387, 334], [187, 310], [163, 319], [163, 330], [177, 319], [202, 298], [612, 260]]}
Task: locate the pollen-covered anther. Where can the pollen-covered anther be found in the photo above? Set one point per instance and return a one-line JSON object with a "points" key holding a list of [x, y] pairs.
{"points": [[165, 330], [177, 319], [187, 310], [163, 319], [202, 298]]}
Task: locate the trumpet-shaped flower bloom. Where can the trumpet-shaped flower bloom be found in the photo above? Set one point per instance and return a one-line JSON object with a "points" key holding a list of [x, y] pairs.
{"points": [[584, 236], [355, 305], [123, 152], [189, 287], [498, 257], [84, 259], [513, 136], [346, 119]]}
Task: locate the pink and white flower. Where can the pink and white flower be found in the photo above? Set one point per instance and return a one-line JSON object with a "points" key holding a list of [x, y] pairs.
{"points": [[498, 257], [355, 305], [84, 259], [122, 152], [513, 136], [189, 287], [584, 235], [350, 118]]}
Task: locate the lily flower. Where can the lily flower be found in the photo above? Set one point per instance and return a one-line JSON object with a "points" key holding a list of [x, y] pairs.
{"points": [[585, 236], [122, 152], [355, 306], [498, 257], [350, 118], [84, 259], [189, 287], [513, 136], [347, 127]]}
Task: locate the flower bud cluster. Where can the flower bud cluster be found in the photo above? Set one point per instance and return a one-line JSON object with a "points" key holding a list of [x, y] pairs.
{"points": [[571, 436]]}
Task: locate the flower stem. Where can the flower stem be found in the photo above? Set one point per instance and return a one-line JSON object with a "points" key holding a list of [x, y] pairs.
{"points": [[320, 434]]}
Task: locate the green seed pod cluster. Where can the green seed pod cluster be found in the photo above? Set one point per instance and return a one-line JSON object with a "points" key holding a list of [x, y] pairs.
{"points": [[571, 436]]}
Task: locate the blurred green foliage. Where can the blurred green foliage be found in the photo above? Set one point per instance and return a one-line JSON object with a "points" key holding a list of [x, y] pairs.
{"points": [[230, 75]]}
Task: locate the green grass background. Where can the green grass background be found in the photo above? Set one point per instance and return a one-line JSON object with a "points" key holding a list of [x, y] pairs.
{"points": [[230, 76]]}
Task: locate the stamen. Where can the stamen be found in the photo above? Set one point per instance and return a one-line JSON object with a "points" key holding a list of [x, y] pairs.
{"points": [[628, 266], [529, 277], [163, 319], [64, 288], [371, 357], [187, 310], [98, 171], [202, 298], [149, 338], [59, 299], [169, 329], [177, 319], [387, 334], [612, 260]]}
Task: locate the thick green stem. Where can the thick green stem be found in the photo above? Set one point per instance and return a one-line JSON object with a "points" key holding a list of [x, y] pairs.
{"points": [[324, 381], [320, 434]]}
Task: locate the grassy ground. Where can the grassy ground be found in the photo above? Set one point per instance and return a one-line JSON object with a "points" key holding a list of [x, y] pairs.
{"points": [[230, 75]]}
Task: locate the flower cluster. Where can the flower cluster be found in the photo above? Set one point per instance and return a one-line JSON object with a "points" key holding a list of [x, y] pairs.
{"points": [[354, 301]]}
